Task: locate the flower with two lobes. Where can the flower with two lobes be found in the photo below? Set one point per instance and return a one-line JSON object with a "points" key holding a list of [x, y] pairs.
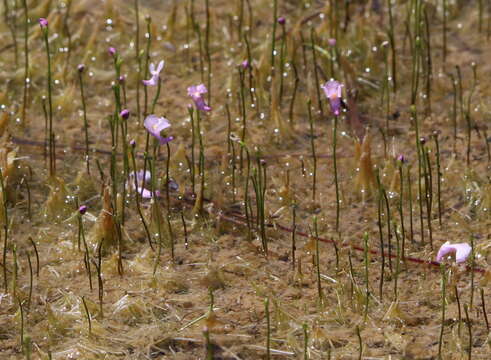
{"points": [[461, 252], [155, 125], [155, 72], [139, 180], [334, 91], [196, 93]]}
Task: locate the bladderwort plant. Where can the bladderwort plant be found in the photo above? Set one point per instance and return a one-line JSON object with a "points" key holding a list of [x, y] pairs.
{"points": [[333, 92]]}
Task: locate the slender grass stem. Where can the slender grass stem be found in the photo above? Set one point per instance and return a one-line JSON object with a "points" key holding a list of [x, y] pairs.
{"points": [[312, 146], [86, 123], [442, 328], [26, 61], [335, 164]]}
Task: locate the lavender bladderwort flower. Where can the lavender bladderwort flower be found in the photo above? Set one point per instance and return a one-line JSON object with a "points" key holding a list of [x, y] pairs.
{"points": [[401, 159], [196, 92], [82, 209], [138, 180], [155, 125], [331, 42], [461, 251], [282, 20], [333, 90], [155, 73]]}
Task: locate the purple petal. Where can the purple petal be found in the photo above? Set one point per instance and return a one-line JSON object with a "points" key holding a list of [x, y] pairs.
{"points": [[461, 251], [333, 91], [160, 67], [43, 22], [155, 125], [153, 81], [165, 140]]}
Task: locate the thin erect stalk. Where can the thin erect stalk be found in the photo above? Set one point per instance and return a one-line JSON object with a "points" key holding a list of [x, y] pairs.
{"points": [[11, 22], [268, 329], [26, 61], [317, 263], [316, 74], [137, 198], [410, 196], [444, 30], [457, 298], [438, 178], [401, 210], [294, 93], [192, 167], [86, 123], [483, 304], [469, 329], [305, 342], [6, 230], [273, 37], [138, 59], [360, 343], [393, 47], [50, 105], [282, 61], [440, 341], [294, 232], [148, 35], [367, 289], [207, 49], [428, 193], [473, 261], [381, 237], [335, 165], [87, 314], [312, 145]]}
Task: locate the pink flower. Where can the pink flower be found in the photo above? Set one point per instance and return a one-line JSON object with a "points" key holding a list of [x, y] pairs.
{"points": [[154, 80], [245, 64], [155, 125], [112, 51], [196, 92], [43, 22], [461, 252], [334, 90], [331, 42]]}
